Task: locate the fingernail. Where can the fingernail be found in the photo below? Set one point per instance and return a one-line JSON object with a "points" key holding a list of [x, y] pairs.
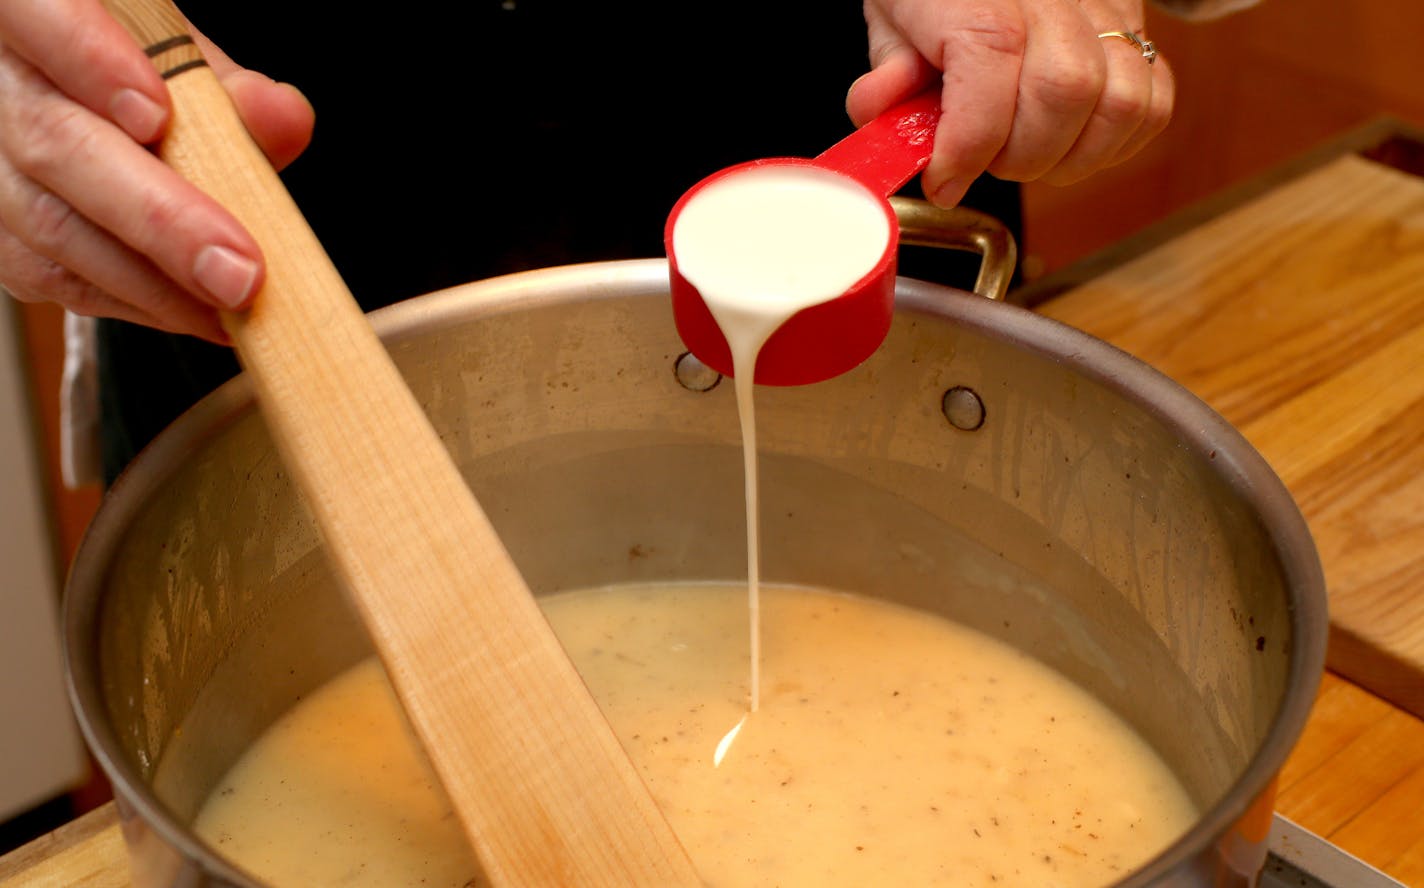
{"points": [[140, 116], [225, 274]]}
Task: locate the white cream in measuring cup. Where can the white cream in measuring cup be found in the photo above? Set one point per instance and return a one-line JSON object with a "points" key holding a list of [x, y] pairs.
{"points": [[761, 244]]}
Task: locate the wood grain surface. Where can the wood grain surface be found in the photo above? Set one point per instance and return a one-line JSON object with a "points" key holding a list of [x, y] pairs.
{"points": [[1300, 318], [1356, 778], [86, 853]]}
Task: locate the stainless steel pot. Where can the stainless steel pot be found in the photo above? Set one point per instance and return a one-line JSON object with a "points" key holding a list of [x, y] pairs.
{"points": [[986, 463]]}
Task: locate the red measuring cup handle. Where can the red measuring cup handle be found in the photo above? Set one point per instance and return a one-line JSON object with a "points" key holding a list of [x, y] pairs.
{"points": [[891, 149]]}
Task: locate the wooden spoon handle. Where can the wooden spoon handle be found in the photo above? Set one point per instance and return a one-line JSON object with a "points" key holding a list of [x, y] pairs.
{"points": [[544, 790]]}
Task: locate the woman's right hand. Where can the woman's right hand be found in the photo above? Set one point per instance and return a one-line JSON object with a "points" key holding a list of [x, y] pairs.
{"points": [[90, 218]]}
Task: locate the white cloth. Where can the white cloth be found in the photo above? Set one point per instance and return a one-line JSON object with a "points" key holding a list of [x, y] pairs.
{"points": [[81, 461]]}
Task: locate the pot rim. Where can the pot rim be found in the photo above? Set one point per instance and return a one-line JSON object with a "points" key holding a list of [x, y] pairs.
{"points": [[1199, 428]]}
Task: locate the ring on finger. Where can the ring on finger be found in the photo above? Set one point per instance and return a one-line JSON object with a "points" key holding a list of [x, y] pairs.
{"points": [[1146, 47]]}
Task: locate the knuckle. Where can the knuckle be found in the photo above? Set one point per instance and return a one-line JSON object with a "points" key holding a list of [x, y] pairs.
{"points": [[57, 282], [37, 279], [158, 213], [32, 277], [50, 134], [1067, 84], [990, 27], [1121, 107], [48, 224], [90, 47], [161, 222]]}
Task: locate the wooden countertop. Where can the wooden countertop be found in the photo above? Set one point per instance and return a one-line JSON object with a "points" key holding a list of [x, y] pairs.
{"points": [[1299, 315]]}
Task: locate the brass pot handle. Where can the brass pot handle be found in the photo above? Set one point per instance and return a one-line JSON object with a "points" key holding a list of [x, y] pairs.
{"points": [[923, 224]]}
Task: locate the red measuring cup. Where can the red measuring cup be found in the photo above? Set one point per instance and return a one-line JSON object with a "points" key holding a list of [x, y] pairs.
{"points": [[831, 337]]}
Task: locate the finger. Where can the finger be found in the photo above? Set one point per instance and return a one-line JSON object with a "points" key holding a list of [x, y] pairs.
{"points": [[897, 71], [58, 255], [89, 56], [981, 56], [120, 187], [30, 277], [1120, 111], [277, 115], [1159, 114], [1063, 74]]}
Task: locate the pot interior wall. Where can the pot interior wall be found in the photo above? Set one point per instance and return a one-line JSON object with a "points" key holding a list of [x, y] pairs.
{"points": [[1078, 522]]}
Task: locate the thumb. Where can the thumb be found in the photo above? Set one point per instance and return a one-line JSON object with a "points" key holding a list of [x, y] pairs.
{"points": [[277, 115]]}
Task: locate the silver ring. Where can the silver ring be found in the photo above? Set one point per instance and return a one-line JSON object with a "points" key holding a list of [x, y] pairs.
{"points": [[1149, 50]]}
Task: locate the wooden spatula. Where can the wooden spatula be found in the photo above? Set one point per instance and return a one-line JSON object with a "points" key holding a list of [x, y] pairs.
{"points": [[546, 794]]}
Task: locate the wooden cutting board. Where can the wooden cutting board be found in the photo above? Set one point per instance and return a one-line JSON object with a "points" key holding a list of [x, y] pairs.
{"points": [[1299, 316]]}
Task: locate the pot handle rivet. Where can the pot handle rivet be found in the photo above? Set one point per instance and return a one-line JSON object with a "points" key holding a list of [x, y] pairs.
{"points": [[694, 375], [963, 408]]}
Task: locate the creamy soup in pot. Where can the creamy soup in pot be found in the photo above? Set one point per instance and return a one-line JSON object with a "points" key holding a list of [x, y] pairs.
{"points": [[891, 746]]}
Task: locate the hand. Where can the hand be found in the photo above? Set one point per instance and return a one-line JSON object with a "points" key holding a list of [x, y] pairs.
{"points": [[89, 217], [1030, 92]]}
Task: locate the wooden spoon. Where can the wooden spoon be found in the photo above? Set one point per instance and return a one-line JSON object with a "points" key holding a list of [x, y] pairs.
{"points": [[545, 792]]}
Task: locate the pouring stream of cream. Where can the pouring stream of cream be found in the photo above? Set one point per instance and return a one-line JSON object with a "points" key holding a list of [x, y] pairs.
{"points": [[760, 245]]}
